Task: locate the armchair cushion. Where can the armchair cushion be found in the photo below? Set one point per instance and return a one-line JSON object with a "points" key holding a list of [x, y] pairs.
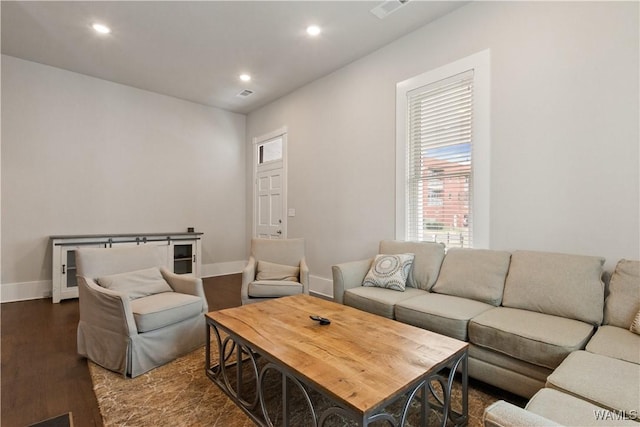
{"points": [[389, 271], [271, 271], [136, 284], [159, 310], [274, 288]]}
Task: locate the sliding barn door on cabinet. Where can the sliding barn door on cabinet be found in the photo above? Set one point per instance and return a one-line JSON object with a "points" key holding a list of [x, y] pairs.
{"points": [[182, 255]]}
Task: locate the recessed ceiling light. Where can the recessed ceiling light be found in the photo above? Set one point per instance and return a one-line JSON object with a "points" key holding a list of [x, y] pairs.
{"points": [[313, 30], [100, 28], [245, 77]]}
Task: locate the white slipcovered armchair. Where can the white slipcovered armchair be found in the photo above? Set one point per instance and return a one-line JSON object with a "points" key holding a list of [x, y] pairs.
{"points": [[136, 315], [276, 268]]}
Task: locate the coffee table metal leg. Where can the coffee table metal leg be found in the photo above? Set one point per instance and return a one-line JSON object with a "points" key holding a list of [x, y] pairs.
{"points": [[219, 375], [286, 394], [446, 384], [285, 401], [465, 390]]}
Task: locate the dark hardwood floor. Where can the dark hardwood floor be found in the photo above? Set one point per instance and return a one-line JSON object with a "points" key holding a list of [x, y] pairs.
{"points": [[41, 374]]}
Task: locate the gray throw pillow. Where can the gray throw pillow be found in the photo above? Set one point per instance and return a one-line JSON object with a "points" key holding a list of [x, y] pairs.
{"points": [[136, 284], [389, 271], [271, 271]]}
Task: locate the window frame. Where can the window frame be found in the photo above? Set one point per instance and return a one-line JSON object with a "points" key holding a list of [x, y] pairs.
{"points": [[481, 145]]}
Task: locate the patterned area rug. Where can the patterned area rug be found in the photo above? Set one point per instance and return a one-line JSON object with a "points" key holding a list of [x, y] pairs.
{"points": [[180, 394]]}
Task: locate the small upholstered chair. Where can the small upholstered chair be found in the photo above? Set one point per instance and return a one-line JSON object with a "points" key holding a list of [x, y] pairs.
{"points": [[276, 268], [135, 314]]}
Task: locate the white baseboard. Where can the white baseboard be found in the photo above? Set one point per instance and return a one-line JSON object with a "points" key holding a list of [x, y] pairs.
{"points": [[321, 286], [23, 291], [222, 268]]}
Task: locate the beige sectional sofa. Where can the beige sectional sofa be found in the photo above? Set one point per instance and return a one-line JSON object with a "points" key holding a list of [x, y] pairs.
{"points": [[599, 385], [532, 319]]}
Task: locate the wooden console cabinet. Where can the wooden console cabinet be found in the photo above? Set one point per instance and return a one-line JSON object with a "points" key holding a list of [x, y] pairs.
{"points": [[182, 249]]}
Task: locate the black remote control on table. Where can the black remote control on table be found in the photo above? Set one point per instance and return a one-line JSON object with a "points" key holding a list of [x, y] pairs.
{"points": [[322, 320]]}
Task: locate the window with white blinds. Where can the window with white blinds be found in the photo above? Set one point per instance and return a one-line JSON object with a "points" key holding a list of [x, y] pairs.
{"points": [[439, 161], [443, 154]]}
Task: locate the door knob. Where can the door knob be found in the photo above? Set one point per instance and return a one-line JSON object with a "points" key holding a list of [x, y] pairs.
{"points": [[279, 231]]}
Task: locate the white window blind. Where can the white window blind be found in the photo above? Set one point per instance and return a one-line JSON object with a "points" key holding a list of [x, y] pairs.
{"points": [[439, 163]]}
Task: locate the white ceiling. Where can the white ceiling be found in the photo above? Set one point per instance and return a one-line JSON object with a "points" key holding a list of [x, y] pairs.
{"points": [[196, 50]]}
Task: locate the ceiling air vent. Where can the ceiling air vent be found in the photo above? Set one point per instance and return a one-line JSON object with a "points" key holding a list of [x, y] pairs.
{"points": [[388, 7], [245, 93]]}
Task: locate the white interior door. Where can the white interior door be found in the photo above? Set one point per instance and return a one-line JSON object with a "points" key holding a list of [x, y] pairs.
{"points": [[270, 188], [269, 204]]}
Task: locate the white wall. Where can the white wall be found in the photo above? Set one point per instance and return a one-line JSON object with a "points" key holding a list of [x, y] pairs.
{"points": [[82, 155], [564, 132]]}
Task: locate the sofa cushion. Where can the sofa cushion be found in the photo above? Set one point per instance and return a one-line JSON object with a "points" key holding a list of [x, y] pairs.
{"points": [[601, 380], [571, 411], [616, 342], [478, 274], [428, 257], [559, 284], [623, 301], [159, 310], [536, 338], [273, 288], [271, 271], [136, 284], [444, 314], [508, 363], [378, 301], [389, 271]]}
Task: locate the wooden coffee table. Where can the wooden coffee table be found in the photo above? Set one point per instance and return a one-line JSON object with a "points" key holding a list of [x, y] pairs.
{"points": [[362, 362]]}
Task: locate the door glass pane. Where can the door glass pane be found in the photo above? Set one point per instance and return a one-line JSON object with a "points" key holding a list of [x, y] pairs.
{"points": [[182, 259], [72, 281], [270, 151]]}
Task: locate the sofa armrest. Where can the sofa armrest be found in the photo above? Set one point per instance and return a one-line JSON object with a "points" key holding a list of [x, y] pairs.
{"points": [[304, 276], [248, 276], [185, 284], [348, 275], [105, 309], [504, 414]]}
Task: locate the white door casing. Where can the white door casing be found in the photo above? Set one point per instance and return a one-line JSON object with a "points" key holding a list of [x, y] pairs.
{"points": [[270, 184]]}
